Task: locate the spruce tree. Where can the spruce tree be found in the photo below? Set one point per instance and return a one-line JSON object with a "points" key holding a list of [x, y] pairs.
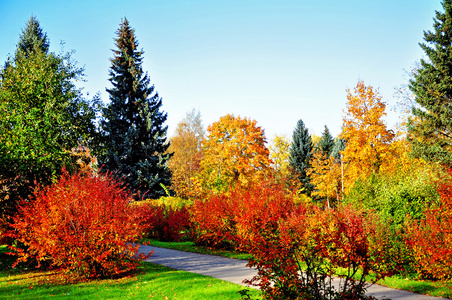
{"points": [[32, 39], [326, 142], [300, 154], [430, 129], [133, 123]]}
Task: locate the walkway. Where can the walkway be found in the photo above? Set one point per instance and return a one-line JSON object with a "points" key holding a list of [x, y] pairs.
{"points": [[235, 270]]}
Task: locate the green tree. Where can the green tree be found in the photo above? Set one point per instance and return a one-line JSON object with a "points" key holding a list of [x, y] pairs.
{"points": [[32, 37], [133, 122], [300, 155], [43, 117], [430, 128], [326, 142]]}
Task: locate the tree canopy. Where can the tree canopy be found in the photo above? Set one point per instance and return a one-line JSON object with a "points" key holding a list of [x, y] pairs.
{"points": [[366, 136], [186, 146], [234, 153], [43, 116]]}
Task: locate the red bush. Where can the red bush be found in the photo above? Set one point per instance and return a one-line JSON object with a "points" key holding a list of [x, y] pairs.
{"points": [[162, 222], [296, 248], [301, 253], [218, 221], [430, 239], [82, 224]]}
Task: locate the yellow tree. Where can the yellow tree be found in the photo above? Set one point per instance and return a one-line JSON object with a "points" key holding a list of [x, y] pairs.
{"points": [[315, 141], [367, 139], [234, 152], [325, 174], [186, 145], [279, 154]]}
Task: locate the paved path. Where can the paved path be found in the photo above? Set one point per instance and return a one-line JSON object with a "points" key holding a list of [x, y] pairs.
{"points": [[235, 270]]}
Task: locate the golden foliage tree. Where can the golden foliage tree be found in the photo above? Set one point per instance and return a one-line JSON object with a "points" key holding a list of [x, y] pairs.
{"points": [[186, 145], [279, 154], [234, 153], [325, 174], [368, 141]]}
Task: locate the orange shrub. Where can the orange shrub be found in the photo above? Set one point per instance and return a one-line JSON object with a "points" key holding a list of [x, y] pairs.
{"points": [[299, 254], [430, 239], [82, 223], [219, 220], [296, 247]]}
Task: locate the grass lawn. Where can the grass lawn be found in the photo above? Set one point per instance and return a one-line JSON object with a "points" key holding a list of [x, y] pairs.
{"points": [[426, 287], [432, 288], [151, 281]]}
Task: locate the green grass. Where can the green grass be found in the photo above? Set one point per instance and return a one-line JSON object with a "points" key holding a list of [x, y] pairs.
{"points": [[191, 247], [426, 287], [150, 282]]}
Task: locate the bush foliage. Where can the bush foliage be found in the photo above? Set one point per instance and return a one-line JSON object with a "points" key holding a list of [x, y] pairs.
{"points": [[430, 239], [297, 248], [82, 224], [166, 219]]}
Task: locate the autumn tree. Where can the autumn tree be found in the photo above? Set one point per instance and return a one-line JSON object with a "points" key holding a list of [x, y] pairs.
{"points": [[300, 155], [366, 136], [279, 154], [186, 146], [43, 116], [325, 170], [133, 122], [325, 174], [234, 153], [430, 131]]}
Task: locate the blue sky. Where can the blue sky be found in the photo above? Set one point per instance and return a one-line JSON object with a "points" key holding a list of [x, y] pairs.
{"points": [[272, 61]]}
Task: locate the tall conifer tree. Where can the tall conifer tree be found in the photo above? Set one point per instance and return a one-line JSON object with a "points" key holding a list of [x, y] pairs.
{"points": [[430, 131], [326, 142], [300, 154], [136, 138]]}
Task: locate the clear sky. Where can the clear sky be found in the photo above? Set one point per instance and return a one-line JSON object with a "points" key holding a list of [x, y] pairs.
{"points": [[272, 61]]}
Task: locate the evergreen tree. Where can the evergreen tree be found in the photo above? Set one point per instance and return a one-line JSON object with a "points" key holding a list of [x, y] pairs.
{"points": [[32, 39], [326, 142], [136, 141], [300, 154], [430, 128]]}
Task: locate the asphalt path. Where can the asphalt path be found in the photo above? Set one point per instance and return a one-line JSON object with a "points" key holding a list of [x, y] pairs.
{"points": [[236, 271]]}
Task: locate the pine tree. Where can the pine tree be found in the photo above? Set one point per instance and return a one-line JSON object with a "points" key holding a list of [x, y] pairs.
{"points": [[300, 154], [133, 122], [32, 39], [326, 142], [430, 130]]}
